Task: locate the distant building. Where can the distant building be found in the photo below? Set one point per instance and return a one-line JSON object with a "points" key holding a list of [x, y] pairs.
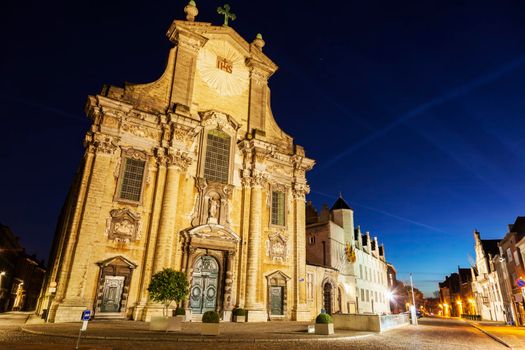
{"points": [[512, 269], [486, 280], [21, 275], [455, 294], [347, 268], [449, 295]]}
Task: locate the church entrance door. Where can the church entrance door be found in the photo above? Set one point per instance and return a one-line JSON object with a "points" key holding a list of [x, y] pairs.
{"points": [[327, 296], [276, 302], [204, 290], [112, 294]]}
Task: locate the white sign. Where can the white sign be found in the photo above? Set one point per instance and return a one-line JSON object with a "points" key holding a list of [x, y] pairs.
{"points": [[84, 326]]}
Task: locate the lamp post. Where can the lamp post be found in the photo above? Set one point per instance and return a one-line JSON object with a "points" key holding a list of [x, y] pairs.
{"points": [[413, 308]]}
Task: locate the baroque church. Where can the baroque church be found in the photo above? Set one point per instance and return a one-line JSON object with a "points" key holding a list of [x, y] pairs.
{"points": [[189, 172]]}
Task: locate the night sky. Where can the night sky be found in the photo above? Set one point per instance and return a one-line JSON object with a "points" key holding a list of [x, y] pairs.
{"points": [[414, 110]]}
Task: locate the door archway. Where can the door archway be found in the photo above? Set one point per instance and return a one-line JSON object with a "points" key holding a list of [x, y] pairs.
{"points": [[327, 298], [204, 285]]}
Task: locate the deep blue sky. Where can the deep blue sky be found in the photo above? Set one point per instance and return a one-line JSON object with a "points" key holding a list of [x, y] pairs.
{"points": [[412, 109]]}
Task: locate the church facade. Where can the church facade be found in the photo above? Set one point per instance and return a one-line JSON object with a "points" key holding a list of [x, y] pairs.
{"points": [[189, 172]]}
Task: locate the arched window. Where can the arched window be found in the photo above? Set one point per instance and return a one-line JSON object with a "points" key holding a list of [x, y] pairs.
{"points": [[217, 161]]}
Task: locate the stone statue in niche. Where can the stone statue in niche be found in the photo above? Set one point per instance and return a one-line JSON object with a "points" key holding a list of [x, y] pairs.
{"points": [[214, 207]]}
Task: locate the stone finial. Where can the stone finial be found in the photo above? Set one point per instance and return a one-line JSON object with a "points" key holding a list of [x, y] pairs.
{"points": [[191, 11], [259, 42]]}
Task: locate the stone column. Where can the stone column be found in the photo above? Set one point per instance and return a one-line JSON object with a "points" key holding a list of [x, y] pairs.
{"points": [[176, 163], [299, 297], [254, 243], [154, 224]]}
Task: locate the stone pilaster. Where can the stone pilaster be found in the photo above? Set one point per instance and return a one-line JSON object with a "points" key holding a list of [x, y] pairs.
{"points": [[254, 243], [72, 295], [188, 46], [152, 235], [176, 163]]}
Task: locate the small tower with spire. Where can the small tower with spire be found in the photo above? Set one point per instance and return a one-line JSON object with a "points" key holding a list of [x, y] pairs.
{"points": [[343, 216]]}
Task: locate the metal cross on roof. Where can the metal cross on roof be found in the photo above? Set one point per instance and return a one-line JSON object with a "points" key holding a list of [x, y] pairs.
{"points": [[225, 11]]}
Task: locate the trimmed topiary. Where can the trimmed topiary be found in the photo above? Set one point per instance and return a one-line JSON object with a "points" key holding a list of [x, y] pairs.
{"points": [[239, 312], [323, 318], [180, 311], [210, 317]]}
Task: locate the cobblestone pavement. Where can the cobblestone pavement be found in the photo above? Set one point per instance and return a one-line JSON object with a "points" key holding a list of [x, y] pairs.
{"points": [[442, 334]]}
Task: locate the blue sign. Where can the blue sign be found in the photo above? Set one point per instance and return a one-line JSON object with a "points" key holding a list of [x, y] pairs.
{"points": [[86, 315], [520, 282]]}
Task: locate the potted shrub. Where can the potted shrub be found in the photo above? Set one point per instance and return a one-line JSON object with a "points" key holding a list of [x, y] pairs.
{"points": [[324, 324], [167, 286], [210, 323], [239, 315]]}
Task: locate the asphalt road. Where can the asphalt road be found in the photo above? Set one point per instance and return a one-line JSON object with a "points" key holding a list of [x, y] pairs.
{"points": [[432, 333]]}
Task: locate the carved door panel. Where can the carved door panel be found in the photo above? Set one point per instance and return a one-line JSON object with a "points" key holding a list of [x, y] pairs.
{"points": [[112, 293], [276, 300], [203, 292]]}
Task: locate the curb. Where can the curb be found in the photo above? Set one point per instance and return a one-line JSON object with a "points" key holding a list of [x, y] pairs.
{"points": [[499, 340], [201, 339]]}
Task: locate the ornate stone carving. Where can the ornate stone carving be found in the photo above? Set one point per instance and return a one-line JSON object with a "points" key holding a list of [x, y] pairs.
{"points": [[160, 156], [123, 225], [140, 131], [101, 144], [259, 179], [219, 120], [134, 153], [300, 190], [178, 159], [277, 247]]}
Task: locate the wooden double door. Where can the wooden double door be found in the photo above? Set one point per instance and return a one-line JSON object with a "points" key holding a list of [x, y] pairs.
{"points": [[205, 285]]}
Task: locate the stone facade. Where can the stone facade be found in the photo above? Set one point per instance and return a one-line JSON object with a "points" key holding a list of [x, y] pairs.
{"points": [[346, 269], [486, 275], [188, 172]]}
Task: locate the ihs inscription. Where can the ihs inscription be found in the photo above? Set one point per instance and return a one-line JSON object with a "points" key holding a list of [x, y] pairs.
{"points": [[224, 65]]}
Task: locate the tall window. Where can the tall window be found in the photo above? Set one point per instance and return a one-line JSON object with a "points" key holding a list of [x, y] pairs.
{"points": [[132, 178], [278, 208], [309, 286], [217, 162]]}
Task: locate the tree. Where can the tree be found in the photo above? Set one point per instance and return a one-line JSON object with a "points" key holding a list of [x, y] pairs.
{"points": [[168, 286]]}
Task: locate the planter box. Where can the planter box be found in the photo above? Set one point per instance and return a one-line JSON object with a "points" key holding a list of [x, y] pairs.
{"points": [[324, 328], [158, 323], [239, 318], [210, 328], [175, 323]]}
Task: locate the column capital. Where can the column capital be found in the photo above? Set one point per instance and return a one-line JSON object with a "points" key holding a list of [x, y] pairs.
{"points": [[300, 190], [100, 143]]}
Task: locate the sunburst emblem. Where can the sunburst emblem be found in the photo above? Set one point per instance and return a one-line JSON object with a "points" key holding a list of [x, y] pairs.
{"points": [[222, 68]]}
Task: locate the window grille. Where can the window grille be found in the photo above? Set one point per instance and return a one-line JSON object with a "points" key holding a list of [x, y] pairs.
{"points": [[278, 208], [217, 162], [133, 176]]}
